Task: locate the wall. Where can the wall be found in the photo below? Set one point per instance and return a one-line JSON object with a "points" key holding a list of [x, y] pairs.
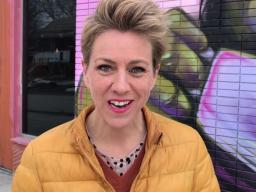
{"points": [[5, 57], [10, 83], [207, 80]]}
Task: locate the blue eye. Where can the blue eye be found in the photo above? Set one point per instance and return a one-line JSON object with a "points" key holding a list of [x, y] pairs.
{"points": [[137, 70], [104, 68]]}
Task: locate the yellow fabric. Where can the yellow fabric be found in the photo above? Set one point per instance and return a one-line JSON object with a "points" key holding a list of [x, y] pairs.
{"points": [[63, 160]]}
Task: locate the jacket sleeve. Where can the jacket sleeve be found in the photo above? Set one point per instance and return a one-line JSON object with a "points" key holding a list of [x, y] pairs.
{"points": [[26, 178], [204, 176]]}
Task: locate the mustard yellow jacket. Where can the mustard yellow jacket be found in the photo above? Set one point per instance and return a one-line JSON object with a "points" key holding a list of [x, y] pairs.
{"points": [[63, 160]]}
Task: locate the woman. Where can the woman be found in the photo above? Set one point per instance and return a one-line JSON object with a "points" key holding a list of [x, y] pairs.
{"points": [[117, 144]]}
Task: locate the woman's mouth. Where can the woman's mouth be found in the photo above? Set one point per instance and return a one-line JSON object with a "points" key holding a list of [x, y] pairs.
{"points": [[119, 105]]}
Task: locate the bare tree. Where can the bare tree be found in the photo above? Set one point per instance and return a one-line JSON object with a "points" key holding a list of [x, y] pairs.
{"points": [[42, 12]]}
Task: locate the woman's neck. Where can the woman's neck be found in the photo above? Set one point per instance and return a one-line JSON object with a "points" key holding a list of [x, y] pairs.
{"points": [[115, 142]]}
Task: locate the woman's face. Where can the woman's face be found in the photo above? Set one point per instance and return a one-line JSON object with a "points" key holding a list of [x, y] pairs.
{"points": [[120, 77]]}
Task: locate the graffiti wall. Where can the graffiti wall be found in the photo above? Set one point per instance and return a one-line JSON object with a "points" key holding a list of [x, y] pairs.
{"points": [[207, 80]]}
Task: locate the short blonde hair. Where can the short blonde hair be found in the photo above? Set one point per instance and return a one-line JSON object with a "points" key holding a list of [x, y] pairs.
{"points": [[140, 16]]}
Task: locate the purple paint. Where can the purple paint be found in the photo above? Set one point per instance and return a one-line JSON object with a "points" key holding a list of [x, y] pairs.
{"points": [[239, 113]]}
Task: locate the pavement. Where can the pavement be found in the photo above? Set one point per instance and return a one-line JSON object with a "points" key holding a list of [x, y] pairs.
{"points": [[5, 180]]}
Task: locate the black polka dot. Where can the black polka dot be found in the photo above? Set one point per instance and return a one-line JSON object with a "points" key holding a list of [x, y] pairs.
{"points": [[128, 160], [121, 164]]}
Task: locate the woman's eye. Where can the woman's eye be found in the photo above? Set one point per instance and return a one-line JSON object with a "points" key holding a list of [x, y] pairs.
{"points": [[137, 70], [104, 68]]}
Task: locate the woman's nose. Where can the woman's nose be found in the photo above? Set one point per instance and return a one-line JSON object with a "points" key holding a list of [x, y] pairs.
{"points": [[121, 83]]}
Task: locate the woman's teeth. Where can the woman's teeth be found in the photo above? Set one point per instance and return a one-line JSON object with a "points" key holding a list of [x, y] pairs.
{"points": [[119, 103]]}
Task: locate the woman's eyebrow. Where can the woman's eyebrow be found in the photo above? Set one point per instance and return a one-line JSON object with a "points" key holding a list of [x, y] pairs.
{"points": [[106, 60], [134, 62]]}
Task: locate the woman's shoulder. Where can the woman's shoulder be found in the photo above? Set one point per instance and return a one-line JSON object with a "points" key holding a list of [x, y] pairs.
{"points": [[57, 139], [176, 132]]}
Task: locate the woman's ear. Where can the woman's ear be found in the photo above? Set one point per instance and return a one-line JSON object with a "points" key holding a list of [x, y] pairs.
{"points": [[156, 71], [85, 68]]}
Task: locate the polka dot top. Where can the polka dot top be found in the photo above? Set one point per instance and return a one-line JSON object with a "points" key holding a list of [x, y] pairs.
{"points": [[120, 166]]}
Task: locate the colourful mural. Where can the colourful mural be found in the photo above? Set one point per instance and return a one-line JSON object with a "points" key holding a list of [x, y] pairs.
{"points": [[208, 81]]}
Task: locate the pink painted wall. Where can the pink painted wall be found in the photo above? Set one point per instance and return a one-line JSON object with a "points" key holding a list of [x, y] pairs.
{"points": [[5, 121], [83, 9], [10, 94]]}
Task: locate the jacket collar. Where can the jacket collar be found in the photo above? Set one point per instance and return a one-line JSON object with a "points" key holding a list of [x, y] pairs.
{"points": [[80, 138], [153, 132], [81, 141]]}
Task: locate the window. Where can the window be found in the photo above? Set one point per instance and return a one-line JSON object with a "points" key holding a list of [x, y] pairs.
{"points": [[48, 64]]}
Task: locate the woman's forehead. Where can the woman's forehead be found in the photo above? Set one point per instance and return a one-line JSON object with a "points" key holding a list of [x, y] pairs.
{"points": [[114, 40]]}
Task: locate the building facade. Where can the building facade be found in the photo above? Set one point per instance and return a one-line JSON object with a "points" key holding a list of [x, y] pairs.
{"points": [[207, 78]]}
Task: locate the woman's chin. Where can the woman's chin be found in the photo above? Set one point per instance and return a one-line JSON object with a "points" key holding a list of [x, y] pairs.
{"points": [[119, 124]]}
